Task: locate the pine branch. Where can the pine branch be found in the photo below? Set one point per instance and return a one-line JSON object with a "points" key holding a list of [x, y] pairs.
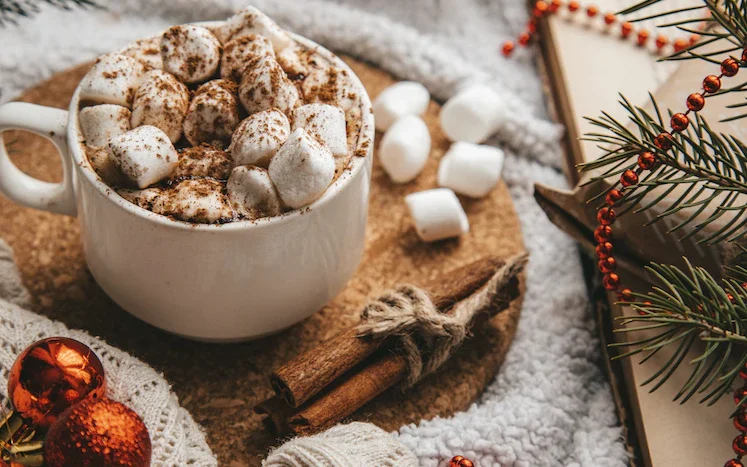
{"points": [[12, 10], [708, 169], [685, 308]]}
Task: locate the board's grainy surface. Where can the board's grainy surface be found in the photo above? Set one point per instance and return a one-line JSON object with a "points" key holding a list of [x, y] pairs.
{"points": [[219, 384]]}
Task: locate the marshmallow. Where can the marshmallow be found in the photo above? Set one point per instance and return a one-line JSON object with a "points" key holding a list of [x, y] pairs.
{"points": [[143, 198], [437, 214], [104, 166], [470, 169], [161, 101], [329, 85], [302, 169], [203, 161], [99, 123], [200, 201], [258, 137], [145, 155], [252, 193], [252, 21], [472, 115], [404, 149], [113, 79], [265, 85], [191, 53], [327, 123], [241, 51], [213, 113], [146, 51], [398, 100]]}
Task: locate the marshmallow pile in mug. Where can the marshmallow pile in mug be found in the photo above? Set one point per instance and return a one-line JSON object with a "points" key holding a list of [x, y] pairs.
{"points": [[217, 125], [468, 168]]}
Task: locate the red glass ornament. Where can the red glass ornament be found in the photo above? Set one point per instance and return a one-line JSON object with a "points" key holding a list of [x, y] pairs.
{"points": [[602, 233], [454, 462], [729, 67], [647, 160], [740, 421], [592, 11], [679, 122], [98, 432], [52, 375], [733, 463], [711, 84], [604, 250], [625, 29], [642, 37], [740, 445], [606, 216], [508, 47], [663, 141], [573, 6], [695, 102], [661, 41], [613, 196], [554, 6], [740, 394], [524, 38], [609, 18], [466, 463], [680, 45], [611, 281], [607, 265], [540, 8], [628, 178]]}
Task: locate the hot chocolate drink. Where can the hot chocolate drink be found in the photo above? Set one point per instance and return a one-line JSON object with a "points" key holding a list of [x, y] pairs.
{"points": [[236, 122]]}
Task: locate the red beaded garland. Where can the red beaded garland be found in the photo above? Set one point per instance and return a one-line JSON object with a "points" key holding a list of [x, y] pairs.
{"points": [[554, 6], [611, 281], [680, 45], [695, 101], [508, 47], [573, 6], [740, 394], [606, 216], [625, 29], [540, 8], [604, 250], [680, 122], [613, 197], [607, 265], [609, 18], [602, 233], [647, 160], [628, 178], [744, 55], [661, 41], [733, 463], [740, 421], [524, 38], [729, 67], [740, 445], [642, 37], [663, 141], [592, 11], [711, 84], [625, 295]]}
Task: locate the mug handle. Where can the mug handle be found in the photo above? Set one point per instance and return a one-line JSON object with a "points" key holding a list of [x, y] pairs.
{"points": [[26, 190]]}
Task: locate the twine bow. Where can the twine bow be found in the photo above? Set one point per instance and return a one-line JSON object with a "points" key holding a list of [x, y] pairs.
{"points": [[428, 337]]}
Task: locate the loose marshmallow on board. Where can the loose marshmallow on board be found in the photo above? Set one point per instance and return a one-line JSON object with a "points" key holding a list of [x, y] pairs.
{"points": [[302, 169], [113, 79], [326, 122], [200, 201], [265, 86], [252, 21], [161, 101], [258, 137], [472, 115], [213, 114], [404, 149], [252, 193], [470, 169], [203, 161], [437, 214], [240, 51], [100, 123], [398, 100], [191, 53], [144, 155]]}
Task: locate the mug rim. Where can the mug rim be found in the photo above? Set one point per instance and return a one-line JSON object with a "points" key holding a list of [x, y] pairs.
{"points": [[357, 163]]}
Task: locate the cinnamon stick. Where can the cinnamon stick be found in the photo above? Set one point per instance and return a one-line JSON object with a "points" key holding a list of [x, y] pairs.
{"points": [[359, 386], [306, 375]]}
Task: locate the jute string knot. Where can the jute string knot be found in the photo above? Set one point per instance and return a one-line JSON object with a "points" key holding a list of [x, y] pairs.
{"points": [[428, 337]]}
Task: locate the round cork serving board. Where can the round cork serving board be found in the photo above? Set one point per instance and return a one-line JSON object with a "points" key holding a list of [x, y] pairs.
{"points": [[221, 383]]}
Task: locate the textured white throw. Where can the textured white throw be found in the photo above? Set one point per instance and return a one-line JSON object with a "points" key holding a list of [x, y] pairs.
{"points": [[550, 404]]}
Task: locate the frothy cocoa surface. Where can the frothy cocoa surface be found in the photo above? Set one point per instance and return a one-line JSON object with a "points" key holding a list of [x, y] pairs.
{"points": [[196, 191]]}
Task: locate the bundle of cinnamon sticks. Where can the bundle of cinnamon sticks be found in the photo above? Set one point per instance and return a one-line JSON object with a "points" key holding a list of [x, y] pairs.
{"points": [[323, 386]]}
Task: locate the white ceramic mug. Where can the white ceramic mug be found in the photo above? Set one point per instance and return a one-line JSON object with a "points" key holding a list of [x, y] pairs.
{"points": [[227, 282]]}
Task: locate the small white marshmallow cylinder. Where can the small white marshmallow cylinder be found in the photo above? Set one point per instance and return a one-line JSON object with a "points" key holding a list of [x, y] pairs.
{"points": [[472, 115], [398, 100], [437, 214], [470, 169], [404, 149]]}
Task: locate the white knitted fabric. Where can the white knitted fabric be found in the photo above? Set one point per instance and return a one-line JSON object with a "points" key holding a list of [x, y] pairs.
{"points": [[353, 445], [550, 404]]}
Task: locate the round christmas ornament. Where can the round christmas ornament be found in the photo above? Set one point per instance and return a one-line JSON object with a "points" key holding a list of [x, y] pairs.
{"points": [[50, 376], [98, 433]]}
